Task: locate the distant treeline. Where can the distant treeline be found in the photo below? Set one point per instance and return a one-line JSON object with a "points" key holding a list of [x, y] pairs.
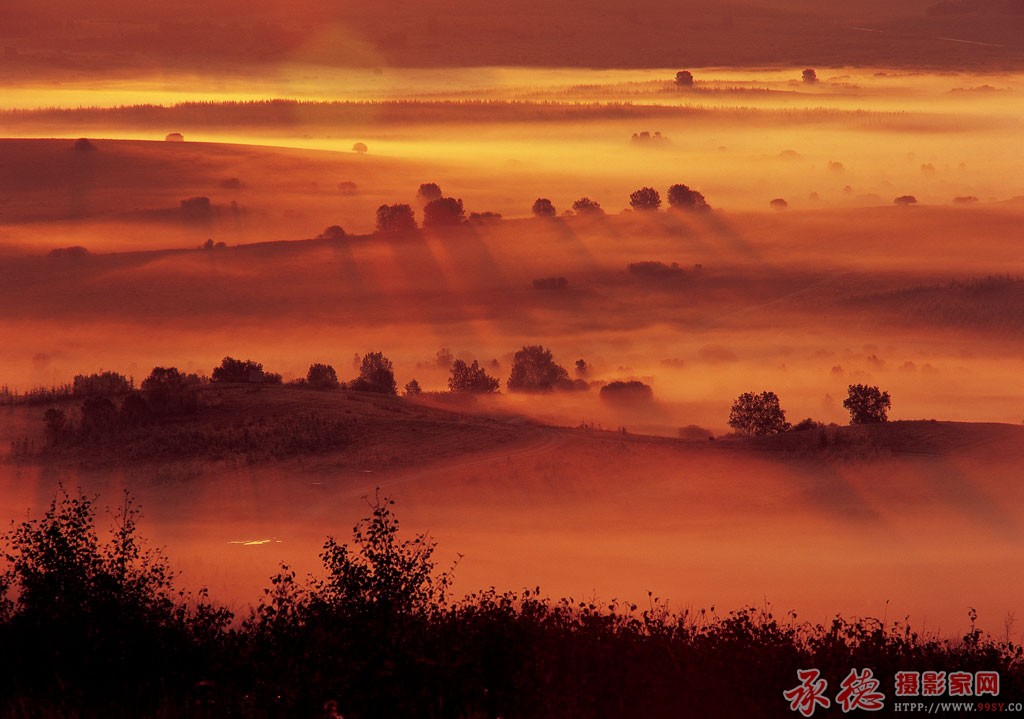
{"points": [[93, 626], [287, 113]]}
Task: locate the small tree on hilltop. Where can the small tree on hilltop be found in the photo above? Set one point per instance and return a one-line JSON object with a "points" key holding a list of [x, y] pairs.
{"points": [[681, 197], [586, 206], [645, 199], [322, 376], [376, 374], [542, 207], [471, 378], [758, 414], [444, 212], [395, 218], [534, 370], [412, 388], [867, 405], [428, 192]]}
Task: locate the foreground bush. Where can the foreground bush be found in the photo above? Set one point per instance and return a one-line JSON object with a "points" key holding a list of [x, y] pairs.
{"points": [[98, 631]]}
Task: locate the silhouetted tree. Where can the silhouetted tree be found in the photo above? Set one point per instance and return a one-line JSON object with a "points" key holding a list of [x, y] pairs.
{"points": [[684, 78], [581, 368], [395, 218], [99, 417], [58, 429], [586, 206], [542, 207], [446, 211], [168, 392], [428, 192], [758, 414], [376, 374], [135, 410], [631, 392], [645, 199], [196, 208], [83, 144], [867, 405], [534, 370], [778, 204], [234, 370], [322, 376], [444, 358], [334, 232], [471, 378], [360, 147], [809, 76], [412, 388], [681, 197], [905, 200], [105, 384]]}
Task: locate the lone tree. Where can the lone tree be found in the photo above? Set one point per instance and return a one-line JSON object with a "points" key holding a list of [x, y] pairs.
{"points": [[395, 218], [444, 212], [681, 197], [471, 378], [376, 374], [867, 405], [322, 376], [586, 206], [758, 414], [905, 200], [534, 370], [684, 78], [809, 76], [428, 192], [360, 147], [646, 199], [542, 207]]}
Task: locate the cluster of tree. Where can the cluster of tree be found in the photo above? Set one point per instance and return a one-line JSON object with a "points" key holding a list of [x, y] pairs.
{"points": [[101, 630], [761, 414], [628, 392], [235, 370], [648, 139]]}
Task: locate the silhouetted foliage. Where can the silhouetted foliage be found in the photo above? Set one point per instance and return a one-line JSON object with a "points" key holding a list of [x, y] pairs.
{"points": [[654, 269], [534, 370], [649, 139], [103, 384], [778, 204], [806, 424], [347, 187], [586, 206], [75, 252], [684, 78], [867, 405], [334, 232], [135, 411], [83, 144], [445, 211], [196, 208], [758, 414], [645, 199], [395, 218], [485, 217], [905, 200], [58, 428], [542, 207], [99, 629], [681, 197], [376, 374], [629, 392], [174, 137], [360, 147], [169, 392], [471, 378], [322, 376], [428, 192], [412, 388], [99, 417], [809, 76], [965, 200], [550, 283], [234, 370], [444, 358], [581, 368]]}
